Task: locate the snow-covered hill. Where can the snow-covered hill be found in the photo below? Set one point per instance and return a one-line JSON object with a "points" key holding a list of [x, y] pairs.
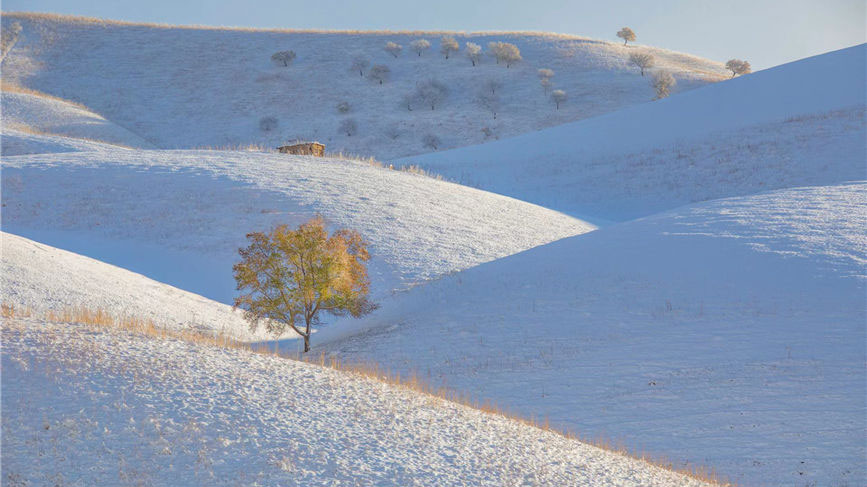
{"points": [[46, 115], [192, 87], [18, 142], [42, 278], [95, 408], [180, 216], [729, 333], [798, 124]]}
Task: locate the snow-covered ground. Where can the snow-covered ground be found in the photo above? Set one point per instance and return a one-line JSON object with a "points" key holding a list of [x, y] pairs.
{"points": [[47, 115], [801, 123], [108, 408], [723, 332], [180, 216], [17, 142], [41, 278], [196, 87], [729, 333]]}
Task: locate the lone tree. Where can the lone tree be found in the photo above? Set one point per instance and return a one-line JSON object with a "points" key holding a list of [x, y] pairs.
{"points": [[662, 82], [505, 52], [419, 46], [267, 124], [431, 141], [626, 34], [489, 102], [348, 127], [393, 48], [287, 277], [492, 85], [360, 63], [474, 52], [283, 58], [736, 66], [431, 92], [545, 76], [379, 72], [448, 45], [558, 97], [641, 60]]}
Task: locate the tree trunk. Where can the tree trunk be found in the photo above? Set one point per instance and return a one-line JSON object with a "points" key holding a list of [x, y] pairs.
{"points": [[307, 336]]}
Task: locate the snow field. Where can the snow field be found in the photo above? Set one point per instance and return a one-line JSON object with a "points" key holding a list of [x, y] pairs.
{"points": [[91, 408], [728, 333]]}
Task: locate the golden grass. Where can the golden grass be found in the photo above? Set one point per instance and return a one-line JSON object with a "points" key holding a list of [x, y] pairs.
{"points": [[99, 319], [84, 20], [10, 87]]}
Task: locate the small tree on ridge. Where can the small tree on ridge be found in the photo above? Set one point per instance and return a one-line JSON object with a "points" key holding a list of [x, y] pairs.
{"points": [[626, 34]]}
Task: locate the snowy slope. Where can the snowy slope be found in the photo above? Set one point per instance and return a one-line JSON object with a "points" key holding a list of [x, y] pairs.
{"points": [[729, 333], [194, 87], [180, 216], [161, 412], [18, 142], [797, 124], [47, 115], [43, 278]]}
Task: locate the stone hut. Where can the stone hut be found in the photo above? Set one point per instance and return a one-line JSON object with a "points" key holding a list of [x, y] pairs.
{"points": [[304, 149]]}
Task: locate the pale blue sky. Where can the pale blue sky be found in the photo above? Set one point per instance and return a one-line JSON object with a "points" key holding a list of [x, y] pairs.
{"points": [[764, 32]]}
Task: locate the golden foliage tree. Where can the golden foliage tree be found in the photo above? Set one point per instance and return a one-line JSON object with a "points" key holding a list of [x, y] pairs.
{"points": [[287, 277]]}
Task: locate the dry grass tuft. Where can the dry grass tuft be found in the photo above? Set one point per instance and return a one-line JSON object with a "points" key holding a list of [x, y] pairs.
{"points": [[10, 87], [99, 319]]}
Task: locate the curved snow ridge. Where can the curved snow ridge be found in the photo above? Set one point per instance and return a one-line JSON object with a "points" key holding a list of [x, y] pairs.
{"points": [[729, 333], [53, 116], [43, 278], [742, 136], [227, 417], [17, 142], [206, 202], [822, 224]]}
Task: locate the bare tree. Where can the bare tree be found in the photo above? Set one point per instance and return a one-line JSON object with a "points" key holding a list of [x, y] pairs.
{"points": [[558, 97], [642, 60], [283, 58], [626, 34], [489, 101], [662, 82], [492, 85], [348, 127], [410, 100], [267, 124], [448, 45], [379, 72], [474, 52], [505, 52], [393, 131], [393, 48], [343, 107], [419, 46], [545, 76], [431, 141], [737, 66], [431, 92], [360, 63]]}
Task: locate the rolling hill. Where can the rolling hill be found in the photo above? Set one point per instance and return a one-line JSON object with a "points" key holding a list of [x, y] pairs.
{"points": [[727, 333], [180, 216], [801, 123], [179, 87], [685, 275]]}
